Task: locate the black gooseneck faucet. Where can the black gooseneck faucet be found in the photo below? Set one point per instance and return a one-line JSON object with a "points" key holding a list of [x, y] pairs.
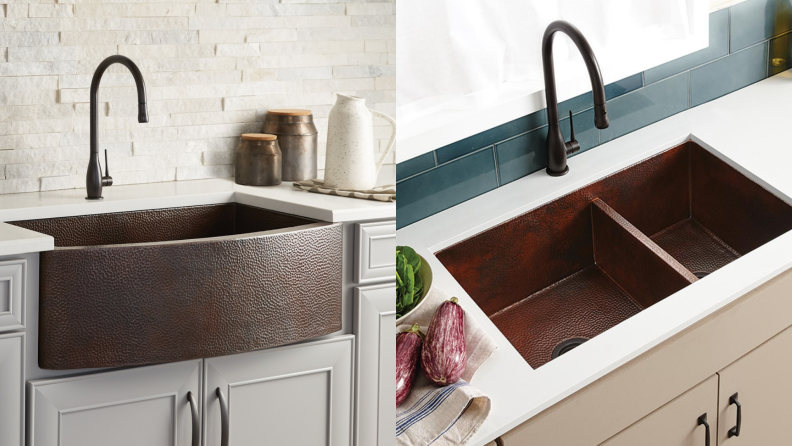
{"points": [[94, 181], [557, 149]]}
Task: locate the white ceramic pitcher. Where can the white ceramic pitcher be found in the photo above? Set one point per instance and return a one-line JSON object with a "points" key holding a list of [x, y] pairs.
{"points": [[350, 145]]}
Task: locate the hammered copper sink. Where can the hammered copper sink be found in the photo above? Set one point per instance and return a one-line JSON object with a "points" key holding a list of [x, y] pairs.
{"points": [[565, 272], [173, 284]]}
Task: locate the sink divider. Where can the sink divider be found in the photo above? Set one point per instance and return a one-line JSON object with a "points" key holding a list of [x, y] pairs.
{"points": [[632, 260]]}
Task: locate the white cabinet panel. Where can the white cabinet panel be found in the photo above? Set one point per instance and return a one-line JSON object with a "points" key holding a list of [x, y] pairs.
{"points": [[12, 294], [132, 407], [375, 319], [12, 389], [290, 396], [375, 256]]}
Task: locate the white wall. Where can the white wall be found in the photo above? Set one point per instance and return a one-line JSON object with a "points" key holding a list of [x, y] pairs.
{"points": [[211, 69]]}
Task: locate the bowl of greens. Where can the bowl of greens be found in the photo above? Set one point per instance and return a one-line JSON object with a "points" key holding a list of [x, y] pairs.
{"points": [[413, 281]]}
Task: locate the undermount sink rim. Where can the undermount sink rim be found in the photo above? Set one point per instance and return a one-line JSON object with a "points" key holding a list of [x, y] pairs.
{"points": [[688, 152]]}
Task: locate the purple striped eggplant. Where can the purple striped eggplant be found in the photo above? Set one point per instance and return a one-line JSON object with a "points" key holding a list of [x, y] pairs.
{"points": [[444, 355], [408, 351]]}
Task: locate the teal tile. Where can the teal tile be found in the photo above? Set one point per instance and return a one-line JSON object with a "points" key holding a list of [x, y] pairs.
{"points": [[780, 57], [491, 136], [753, 21], [585, 131], [445, 186], [613, 90], [728, 74], [527, 153], [718, 47], [406, 169], [645, 106], [522, 155]]}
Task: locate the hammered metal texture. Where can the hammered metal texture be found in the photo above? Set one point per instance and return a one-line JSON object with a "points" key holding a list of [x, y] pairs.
{"points": [[640, 267], [530, 252], [158, 225], [738, 211], [581, 306], [538, 274], [695, 247], [124, 305]]}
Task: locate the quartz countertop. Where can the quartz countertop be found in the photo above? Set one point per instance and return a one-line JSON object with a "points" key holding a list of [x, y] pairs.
{"points": [[283, 198], [746, 128]]}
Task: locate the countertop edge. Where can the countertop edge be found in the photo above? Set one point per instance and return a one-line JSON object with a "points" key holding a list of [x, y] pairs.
{"points": [[15, 240], [742, 128]]}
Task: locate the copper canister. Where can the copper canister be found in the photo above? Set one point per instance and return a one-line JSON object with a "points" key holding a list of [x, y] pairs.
{"points": [[258, 160], [298, 140]]}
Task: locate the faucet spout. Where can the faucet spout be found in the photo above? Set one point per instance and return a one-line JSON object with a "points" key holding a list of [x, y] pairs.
{"points": [[94, 181], [557, 148]]}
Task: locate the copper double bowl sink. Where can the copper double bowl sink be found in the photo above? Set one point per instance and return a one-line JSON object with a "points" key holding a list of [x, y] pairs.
{"points": [[565, 272], [164, 285]]}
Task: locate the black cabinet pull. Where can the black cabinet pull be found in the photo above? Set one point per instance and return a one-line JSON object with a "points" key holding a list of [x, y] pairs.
{"points": [[223, 417], [702, 421], [196, 422], [735, 431], [498, 442]]}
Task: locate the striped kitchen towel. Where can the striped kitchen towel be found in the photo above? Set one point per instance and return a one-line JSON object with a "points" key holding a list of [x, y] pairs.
{"points": [[450, 415], [440, 416]]}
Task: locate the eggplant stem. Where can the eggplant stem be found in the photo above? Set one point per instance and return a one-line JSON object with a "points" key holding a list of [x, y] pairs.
{"points": [[415, 329]]}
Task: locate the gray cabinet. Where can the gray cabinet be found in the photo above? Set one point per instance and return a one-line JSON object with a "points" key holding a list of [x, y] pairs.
{"points": [[141, 406], [288, 396], [12, 389], [375, 257], [12, 294], [375, 409]]}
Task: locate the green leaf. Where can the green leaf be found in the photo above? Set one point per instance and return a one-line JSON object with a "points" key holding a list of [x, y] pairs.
{"points": [[412, 257], [409, 286]]}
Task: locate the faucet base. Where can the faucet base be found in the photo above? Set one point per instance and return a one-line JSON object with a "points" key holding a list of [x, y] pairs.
{"points": [[97, 198], [553, 173]]}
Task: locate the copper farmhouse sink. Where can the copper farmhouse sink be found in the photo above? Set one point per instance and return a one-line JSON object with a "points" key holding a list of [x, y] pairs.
{"points": [[563, 273], [165, 285]]}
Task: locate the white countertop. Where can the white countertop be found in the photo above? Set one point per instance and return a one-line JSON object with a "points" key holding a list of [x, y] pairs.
{"points": [[748, 129], [284, 198]]}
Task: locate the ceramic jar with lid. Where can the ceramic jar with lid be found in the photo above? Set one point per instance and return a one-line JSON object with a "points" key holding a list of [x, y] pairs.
{"points": [[298, 140], [258, 160]]}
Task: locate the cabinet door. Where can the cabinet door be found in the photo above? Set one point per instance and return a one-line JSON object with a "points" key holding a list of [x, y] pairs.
{"points": [[761, 380], [677, 422], [375, 259], [375, 318], [288, 396], [133, 407], [12, 389]]}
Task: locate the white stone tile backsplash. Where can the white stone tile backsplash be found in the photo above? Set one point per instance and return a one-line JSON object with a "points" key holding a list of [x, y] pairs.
{"points": [[212, 69]]}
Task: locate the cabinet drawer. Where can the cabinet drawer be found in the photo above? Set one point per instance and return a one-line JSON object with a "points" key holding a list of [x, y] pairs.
{"points": [[375, 245], [295, 395], [12, 389], [12, 294], [677, 423], [133, 407]]}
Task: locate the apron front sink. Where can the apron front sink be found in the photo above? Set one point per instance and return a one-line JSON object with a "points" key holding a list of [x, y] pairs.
{"points": [[166, 285]]}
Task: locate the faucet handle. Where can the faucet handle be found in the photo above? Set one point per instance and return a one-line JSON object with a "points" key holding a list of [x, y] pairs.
{"points": [[572, 146], [107, 180]]}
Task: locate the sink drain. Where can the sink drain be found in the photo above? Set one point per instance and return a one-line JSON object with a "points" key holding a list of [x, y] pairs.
{"points": [[700, 274], [566, 346]]}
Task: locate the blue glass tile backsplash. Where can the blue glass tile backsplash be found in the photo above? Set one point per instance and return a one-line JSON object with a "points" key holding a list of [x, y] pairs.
{"points": [[748, 42]]}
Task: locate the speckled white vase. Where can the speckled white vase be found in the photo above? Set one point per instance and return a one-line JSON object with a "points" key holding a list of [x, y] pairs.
{"points": [[350, 145]]}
